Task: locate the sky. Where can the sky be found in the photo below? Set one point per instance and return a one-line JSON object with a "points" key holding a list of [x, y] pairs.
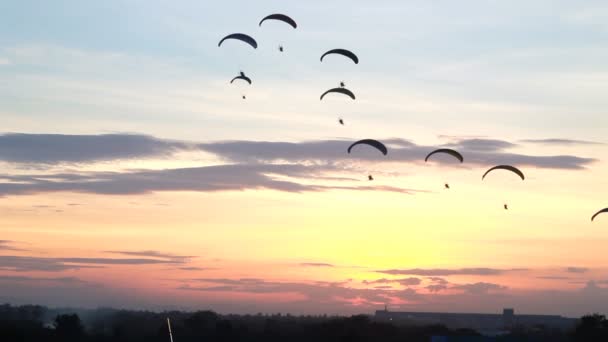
{"points": [[135, 175]]}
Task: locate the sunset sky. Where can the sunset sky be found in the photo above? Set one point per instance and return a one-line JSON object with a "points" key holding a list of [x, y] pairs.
{"points": [[135, 176]]}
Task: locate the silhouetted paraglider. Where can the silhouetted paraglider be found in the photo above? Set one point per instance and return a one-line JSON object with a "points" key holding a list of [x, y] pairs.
{"points": [[244, 97], [605, 210], [341, 121], [371, 142], [448, 151], [280, 17], [451, 152], [370, 177], [508, 168], [281, 48], [242, 37], [343, 91], [242, 77], [505, 167], [343, 52], [342, 85]]}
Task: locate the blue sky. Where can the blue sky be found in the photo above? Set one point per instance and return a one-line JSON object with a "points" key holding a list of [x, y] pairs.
{"points": [[473, 67]]}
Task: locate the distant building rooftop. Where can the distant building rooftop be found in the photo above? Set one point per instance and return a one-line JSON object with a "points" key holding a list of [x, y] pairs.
{"points": [[478, 321]]}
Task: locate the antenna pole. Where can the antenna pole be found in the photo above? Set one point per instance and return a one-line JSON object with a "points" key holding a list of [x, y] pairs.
{"points": [[169, 326]]}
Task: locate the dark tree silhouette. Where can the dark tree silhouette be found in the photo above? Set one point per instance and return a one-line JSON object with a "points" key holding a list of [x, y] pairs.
{"points": [[68, 328], [592, 328]]}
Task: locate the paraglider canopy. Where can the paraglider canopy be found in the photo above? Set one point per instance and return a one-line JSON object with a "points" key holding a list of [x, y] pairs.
{"points": [[371, 142], [343, 91], [281, 17], [343, 52], [505, 167], [242, 77], [451, 152], [605, 210], [242, 37]]}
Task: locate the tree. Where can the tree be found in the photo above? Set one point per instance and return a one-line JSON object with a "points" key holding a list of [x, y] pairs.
{"points": [[592, 328], [68, 328]]}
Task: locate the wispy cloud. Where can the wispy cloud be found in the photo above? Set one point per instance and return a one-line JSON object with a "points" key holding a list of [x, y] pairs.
{"points": [[155, 254], [8, 245], [576, 269], [479, 288], [233, 177], [315, 264], [561, 142], [30, 263], [309, 166], [447, 272], [57, 148]]}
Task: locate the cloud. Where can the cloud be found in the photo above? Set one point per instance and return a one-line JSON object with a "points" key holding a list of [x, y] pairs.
{"points": [[436, 287], [193, 268], [479, 288], [412, 281], [58, 148], [576, 269], [480, 152], [446, 272], [554, 277], [561, 142], [29, 263], [315, 264], [6, 245], [315, 292], [296, 167], [483, 145], [232, 177], [61, 280], [155, 254]]}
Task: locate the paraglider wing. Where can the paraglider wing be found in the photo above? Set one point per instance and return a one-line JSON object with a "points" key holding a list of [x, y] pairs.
{"points": [[505, 167], [371, 142], [605, 210], [242, 37], [281, 17], [242, 77], [343, 52], [340, 91], [451, 152]]}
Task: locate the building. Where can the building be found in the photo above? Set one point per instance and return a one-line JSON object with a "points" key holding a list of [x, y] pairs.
{"points": [[491, 323]]}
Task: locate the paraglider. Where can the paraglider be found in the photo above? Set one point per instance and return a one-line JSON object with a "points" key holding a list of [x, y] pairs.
{"points": [[342, 85], [242, 37], [244, 97], [343, 52], [508, 168], [281, 48], [280, 17], [242, 76], [341, 121], [451, 152], [371, 142], [343, 91], [369, 177], [605, 210], [448, 151], [505, 167]]}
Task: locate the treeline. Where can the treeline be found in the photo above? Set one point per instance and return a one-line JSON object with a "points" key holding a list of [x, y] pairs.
{"points": [[37, 323]]}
